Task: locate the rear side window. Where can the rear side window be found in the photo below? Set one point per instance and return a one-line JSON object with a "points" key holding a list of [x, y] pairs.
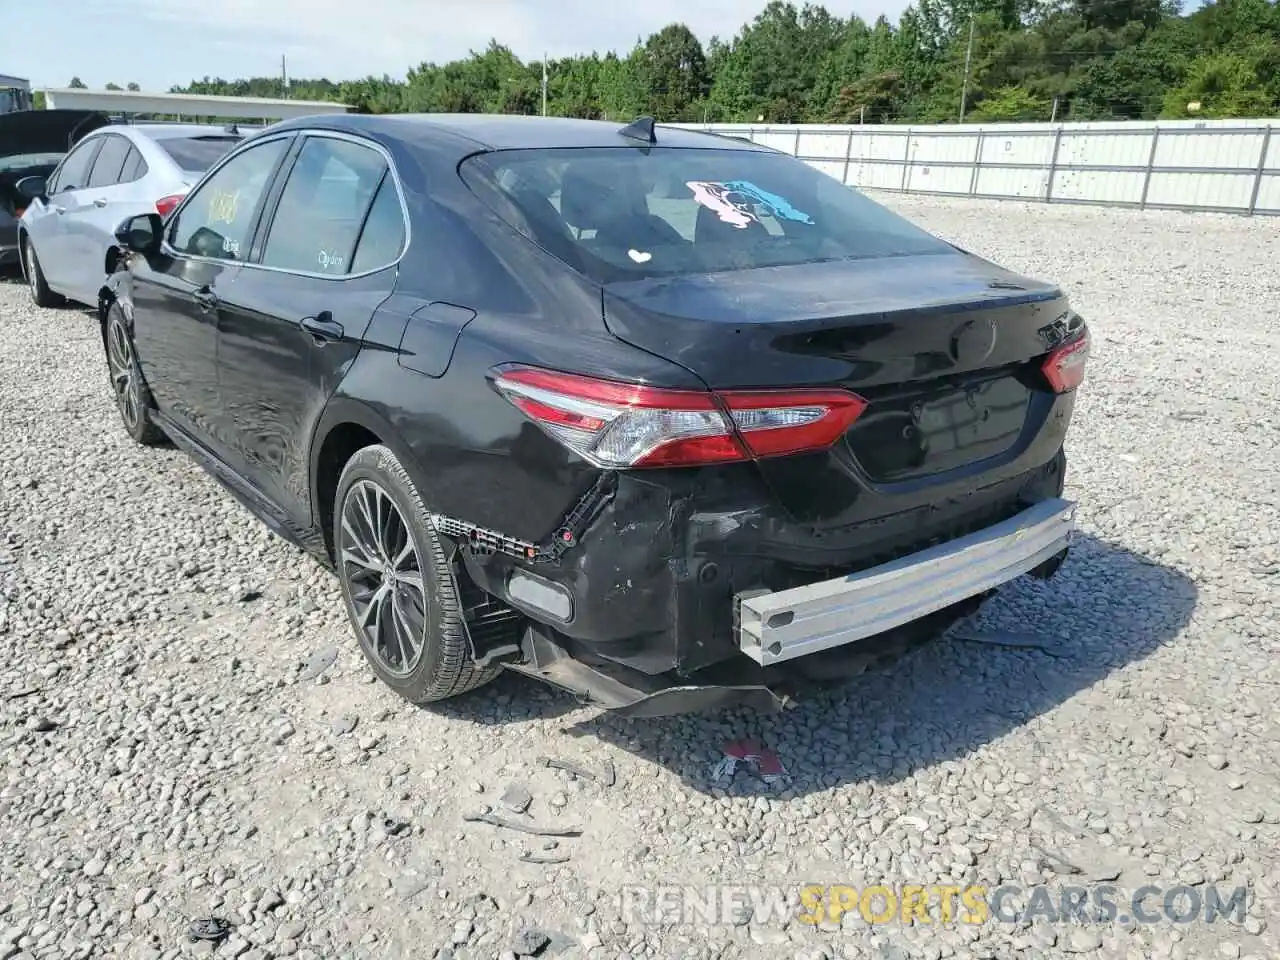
{"points": [[74, 172], [323, 206], [111, 158], [382, 238], [197, 154], [619, 213], [135, 168]]}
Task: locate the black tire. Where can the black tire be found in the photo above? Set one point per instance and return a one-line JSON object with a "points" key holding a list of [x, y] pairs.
{"points": [[41, 295], [442, 666], [133, 399]]}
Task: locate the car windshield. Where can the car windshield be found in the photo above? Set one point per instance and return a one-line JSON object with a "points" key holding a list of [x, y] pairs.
{"points": [[198, 154], [620, 213], [22, 161]]}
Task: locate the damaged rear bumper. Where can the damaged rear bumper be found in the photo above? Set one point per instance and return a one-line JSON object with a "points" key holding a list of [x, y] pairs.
{"points": [[775, 627], [672, 589], [865, 618]]}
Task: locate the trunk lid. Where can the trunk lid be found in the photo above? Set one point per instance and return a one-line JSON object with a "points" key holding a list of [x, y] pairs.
{"points": [[31, 144], [46, 131], [944, 347]]}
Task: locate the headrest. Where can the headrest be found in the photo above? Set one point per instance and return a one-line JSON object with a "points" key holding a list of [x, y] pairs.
{"points": [[591, 195]]}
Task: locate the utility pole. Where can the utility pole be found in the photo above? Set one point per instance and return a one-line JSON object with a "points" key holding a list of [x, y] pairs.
{"points": [[284, 79], [1054, 115], [544, 84], [862, 113], [968, 55]]}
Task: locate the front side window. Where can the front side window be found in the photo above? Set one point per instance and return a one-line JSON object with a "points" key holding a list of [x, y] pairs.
{"points": [[618, 213], [323, 207], [111, 158], [74, 172], [216, 219]]}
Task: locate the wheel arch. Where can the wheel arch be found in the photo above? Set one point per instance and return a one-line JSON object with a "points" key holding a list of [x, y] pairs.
{"points": [[347, 426], [111, 260], [106, 297], [112, 292]]}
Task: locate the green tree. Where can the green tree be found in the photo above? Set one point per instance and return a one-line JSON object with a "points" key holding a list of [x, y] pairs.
{"points": [[620, 87], [1011, 105], [673, 71], [1219, 85], [1076, 59], [574, 87]]}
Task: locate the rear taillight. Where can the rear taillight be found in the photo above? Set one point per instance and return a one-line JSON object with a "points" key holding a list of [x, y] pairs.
{"points": [[616, 424], [1064, 367], [165, 205]]}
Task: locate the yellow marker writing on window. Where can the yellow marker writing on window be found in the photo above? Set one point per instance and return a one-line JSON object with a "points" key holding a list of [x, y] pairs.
{"points": [[222, 206]]}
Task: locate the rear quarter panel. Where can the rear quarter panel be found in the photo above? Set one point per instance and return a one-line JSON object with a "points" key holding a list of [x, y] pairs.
{"points": [[478, 458]]}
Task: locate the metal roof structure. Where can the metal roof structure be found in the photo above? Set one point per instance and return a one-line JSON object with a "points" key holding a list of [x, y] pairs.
{"points": [[187, 104]]}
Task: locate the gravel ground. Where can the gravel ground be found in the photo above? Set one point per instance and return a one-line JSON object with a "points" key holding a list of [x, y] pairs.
{"points": [[173, 745]]}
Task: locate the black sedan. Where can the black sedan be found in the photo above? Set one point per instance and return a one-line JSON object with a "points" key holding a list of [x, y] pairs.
{"points": [[664, 418]]}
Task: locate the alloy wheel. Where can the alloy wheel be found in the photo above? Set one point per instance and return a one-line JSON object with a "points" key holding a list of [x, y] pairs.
{"points": [[123, 374], [382, 574]]}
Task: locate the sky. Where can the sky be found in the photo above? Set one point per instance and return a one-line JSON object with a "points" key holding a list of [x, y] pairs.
{"points": [[160, 43]]}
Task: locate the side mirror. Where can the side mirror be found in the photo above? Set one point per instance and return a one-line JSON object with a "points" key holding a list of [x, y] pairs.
{"points": [[141, 234], [32, 188]]}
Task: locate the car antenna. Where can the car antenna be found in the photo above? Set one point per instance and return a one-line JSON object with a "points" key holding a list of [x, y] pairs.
{"points": [[641, 129], [232, 128]]}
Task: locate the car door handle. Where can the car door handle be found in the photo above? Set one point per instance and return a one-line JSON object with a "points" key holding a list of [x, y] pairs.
{"points": [[59, 210], [206, 299], [99, 202], [322, 327]]}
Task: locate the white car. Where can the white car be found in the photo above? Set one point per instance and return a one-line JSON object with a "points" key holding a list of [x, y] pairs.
{"points": [[67, 234]]}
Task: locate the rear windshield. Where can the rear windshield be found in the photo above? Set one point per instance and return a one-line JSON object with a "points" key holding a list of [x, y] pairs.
{"points": [[619, 213], [198, 154]]}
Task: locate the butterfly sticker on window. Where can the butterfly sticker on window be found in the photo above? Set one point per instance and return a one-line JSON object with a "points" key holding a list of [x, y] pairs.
{"points": [[741, 203]]}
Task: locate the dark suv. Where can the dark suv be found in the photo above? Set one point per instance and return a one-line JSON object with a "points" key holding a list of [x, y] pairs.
{"points": [[647, 413]]}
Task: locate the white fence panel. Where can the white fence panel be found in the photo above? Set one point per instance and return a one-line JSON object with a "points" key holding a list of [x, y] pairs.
{"points": [[1012, 183], [925, 178], [1272, 161], [1220, 165], [1007, 148], [887, 144], [1269, 194]]}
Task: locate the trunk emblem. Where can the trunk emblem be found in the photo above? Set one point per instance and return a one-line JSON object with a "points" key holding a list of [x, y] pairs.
{"points": [[973, 341]]}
